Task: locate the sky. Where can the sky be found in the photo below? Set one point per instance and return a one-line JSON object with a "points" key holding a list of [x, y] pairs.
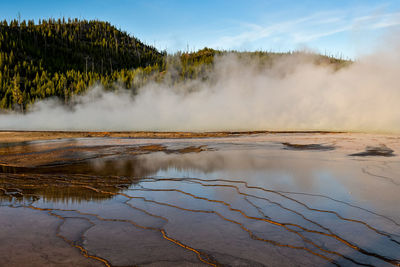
{"points": [[340, 28]]}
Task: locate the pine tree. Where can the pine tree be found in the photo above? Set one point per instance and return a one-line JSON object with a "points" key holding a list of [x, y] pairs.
{"points": [[16, 92]]}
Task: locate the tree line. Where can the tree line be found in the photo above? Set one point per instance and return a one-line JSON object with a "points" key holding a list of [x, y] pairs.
{"points": [[61, 58]]}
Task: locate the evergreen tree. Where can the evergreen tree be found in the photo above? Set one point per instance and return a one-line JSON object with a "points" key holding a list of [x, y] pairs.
{"points": [[64, 57]]}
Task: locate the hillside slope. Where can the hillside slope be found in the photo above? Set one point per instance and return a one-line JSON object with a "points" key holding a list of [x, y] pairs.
{"points": [[62, 58], [58, 57]]}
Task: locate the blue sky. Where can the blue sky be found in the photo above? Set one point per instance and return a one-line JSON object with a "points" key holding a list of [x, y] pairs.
{"points": [[347, 28]]}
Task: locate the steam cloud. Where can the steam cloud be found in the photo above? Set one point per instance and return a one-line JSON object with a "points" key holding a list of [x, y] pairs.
{"points": [[293, 94]]}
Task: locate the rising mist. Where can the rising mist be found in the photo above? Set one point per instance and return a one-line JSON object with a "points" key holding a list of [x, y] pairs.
{"points": [[292, 94]]}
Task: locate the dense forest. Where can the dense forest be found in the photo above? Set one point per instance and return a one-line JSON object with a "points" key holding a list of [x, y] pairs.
{"points": [[63, 58]]}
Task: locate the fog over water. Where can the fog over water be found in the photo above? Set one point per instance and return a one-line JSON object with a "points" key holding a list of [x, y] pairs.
{"points": [[293, 94]]}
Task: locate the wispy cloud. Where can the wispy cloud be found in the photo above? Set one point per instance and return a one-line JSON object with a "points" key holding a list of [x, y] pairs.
{"points": [[255, 32], [307, 29], [304, 37]]}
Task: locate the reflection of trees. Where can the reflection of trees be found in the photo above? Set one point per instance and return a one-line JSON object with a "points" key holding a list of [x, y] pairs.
{"points": [[58, 187], [70, 181], [63, 173]]}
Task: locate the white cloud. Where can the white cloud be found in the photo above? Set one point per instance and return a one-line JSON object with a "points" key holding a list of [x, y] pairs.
{"points": [[308, 28]]}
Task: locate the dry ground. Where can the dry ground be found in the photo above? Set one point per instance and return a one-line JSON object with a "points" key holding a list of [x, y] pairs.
{"points": [[23, 136]]}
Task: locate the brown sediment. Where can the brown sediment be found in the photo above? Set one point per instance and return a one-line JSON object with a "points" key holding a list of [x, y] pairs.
{"points": [[191, 149], [42, 156], [26, 136], [69, 154], [152, 148], [381, 150], [307, 146], [162, 148], [53, 187]]}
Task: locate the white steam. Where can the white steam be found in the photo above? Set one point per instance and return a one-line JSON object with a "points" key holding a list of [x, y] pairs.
{"points": [[293, 94]]}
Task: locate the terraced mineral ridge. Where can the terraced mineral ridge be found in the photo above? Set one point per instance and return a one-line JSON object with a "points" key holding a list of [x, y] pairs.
{"points": [[257, 199]]}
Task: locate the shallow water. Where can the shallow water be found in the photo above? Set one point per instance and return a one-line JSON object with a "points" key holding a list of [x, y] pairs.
{"points": [[268, 199]]}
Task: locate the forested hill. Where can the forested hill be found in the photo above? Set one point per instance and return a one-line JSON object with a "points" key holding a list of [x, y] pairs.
{"points": [[62, 57], [82, 45]]}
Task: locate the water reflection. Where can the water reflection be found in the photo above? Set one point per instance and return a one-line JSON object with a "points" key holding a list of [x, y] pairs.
{"points": [[207, 202]]}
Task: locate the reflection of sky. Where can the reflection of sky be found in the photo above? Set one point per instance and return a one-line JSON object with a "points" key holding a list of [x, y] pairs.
{"points": [[284, 178], [312, 172], [328, 182], [302, 181], [261, 161]]}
